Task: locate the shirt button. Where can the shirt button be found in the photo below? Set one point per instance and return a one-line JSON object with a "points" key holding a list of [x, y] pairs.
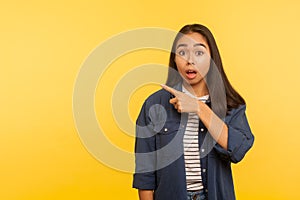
{"points": [[202, 150], [204, 170], [206, 190], [182, 126], [202, 129], [166, 129]]}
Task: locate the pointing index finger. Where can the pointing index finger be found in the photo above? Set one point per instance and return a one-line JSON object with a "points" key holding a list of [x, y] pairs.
{"points": [[169, 89]]}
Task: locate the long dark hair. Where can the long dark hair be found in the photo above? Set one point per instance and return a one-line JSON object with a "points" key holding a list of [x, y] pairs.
{"points": [[216, 78]]}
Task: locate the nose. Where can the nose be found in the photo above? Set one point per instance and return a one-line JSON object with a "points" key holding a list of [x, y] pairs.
{"points": [[190, 60]]}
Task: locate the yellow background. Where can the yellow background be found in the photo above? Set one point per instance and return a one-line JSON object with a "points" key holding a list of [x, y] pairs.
{"points": [[44, 43]]}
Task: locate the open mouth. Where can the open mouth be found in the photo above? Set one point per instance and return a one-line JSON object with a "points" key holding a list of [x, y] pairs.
{"points": [[190, 74]]}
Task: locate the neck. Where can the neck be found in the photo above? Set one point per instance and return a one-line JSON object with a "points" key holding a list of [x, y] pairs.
{"points": [[200, 89]]}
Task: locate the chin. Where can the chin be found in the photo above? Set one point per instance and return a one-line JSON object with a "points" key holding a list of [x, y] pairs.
{"points": [[194, 81]]}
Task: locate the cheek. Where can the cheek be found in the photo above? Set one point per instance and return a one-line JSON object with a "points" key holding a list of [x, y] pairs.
{"points": [[203, 65], [180, 62]]}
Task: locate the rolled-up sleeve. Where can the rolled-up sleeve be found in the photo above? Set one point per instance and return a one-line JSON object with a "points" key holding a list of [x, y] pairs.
{"points": [[240, 137], [144, 176]]}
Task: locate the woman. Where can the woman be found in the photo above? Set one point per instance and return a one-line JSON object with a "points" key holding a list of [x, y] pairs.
{"points": [[190, 132]]}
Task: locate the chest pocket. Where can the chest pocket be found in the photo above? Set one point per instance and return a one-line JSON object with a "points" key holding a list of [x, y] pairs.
{"points": [[167, 133]]}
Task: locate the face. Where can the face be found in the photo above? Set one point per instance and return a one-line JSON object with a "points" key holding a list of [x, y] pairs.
{"points": [[192, 58]]}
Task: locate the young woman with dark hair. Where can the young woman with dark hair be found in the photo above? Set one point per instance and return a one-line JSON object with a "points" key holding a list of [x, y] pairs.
{"points": [[190, 132]]}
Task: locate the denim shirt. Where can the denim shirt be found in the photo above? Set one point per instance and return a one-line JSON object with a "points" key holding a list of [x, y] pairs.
{"points": [[159, 158]]}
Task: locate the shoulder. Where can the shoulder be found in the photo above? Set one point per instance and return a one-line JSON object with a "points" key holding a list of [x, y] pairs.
{"points": [[235, 112], [240, 108], [153, 105]]}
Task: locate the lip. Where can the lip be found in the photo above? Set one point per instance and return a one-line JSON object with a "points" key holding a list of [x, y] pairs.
{"points": [[190, 74]]}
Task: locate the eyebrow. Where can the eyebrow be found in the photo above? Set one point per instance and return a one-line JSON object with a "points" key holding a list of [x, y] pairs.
{"points": [[197, 44]]}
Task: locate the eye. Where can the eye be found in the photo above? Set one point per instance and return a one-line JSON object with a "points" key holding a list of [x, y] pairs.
{"points": [[199, 53], [181, 53]]}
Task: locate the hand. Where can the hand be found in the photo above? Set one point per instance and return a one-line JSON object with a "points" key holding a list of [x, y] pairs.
{"points": [[183, 103], [216, 127]]}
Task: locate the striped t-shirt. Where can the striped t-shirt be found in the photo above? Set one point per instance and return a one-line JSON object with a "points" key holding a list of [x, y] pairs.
{"points": [[191, 150]]}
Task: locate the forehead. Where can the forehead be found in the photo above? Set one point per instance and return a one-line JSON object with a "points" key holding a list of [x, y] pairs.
{"points": [[192, 38]]}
